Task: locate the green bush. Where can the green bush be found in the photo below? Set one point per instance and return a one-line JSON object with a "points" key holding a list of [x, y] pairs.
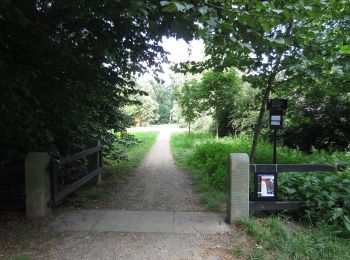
{"points": [[327, 195]]}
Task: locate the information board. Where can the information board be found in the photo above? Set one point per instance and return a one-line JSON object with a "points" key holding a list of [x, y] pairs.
{"points": [[265, 185], [279, 104]]}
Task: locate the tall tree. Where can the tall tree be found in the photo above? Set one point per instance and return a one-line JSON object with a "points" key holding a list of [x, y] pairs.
{"points": [[218, 91], [265, 39], [189, 102], [67, 68]]}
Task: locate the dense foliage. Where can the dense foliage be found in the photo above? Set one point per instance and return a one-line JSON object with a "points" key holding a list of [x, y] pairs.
{"points": [[67, 67], [319, 117], [155, 108], [78, 59], [288, 45], [327, 196], [215, 94], [189, 101]]}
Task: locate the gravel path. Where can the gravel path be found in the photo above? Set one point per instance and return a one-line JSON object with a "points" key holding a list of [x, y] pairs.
{"points": [[156, 186], [134, 246]]}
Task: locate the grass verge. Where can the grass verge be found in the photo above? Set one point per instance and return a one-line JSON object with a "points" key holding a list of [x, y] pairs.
{"points": [[277, 237], [182, 145]]}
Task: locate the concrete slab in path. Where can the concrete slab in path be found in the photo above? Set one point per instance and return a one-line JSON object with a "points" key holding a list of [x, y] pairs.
{"points": [[141, 222]]}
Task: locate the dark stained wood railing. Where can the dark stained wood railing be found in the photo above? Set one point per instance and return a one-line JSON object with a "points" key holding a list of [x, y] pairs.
{"points": [[94, 165]]}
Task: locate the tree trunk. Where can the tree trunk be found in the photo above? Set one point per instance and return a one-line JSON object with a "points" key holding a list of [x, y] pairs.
{"points": [[271, 79], [258, 125], [189, 128], [217, 129]]}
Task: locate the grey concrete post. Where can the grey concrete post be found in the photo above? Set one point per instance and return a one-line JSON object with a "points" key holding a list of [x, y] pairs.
{"points": [[93, 161], [238, 202], [37, 185]]}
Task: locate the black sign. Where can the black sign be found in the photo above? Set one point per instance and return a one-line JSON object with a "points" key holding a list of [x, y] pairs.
{"points": [[265, 185], [277, 104]]}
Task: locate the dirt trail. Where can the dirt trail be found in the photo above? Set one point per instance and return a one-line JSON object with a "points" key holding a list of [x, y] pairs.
{"points": [[158, 184], [157, 189]]}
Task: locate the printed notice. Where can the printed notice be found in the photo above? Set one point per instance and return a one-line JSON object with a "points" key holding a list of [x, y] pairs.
{"points": [[266, 187]]}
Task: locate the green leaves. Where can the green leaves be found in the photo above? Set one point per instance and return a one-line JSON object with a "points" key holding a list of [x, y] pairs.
{"points": [[345, 49], [172, 7], [67, 68], [189, 101], [213, 95], [163, 3], [324, 195], [212, 21], [203, 10], [278, 40]]}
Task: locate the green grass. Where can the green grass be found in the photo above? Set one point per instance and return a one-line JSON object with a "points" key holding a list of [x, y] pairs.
{"points": [[182, 145], [114, 171], [18, 257], [136, 154], [327, 197], [325, 194], [277, 237]]}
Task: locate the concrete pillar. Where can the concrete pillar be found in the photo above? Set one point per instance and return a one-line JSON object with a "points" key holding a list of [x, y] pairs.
{"points": [[93, 161], [37, 185], [238, 202]]}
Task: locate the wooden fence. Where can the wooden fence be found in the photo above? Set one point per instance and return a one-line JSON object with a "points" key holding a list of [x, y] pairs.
{"points": [[42, 173], [239, 206]]}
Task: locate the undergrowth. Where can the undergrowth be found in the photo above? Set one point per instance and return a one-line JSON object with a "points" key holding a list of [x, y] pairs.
{"points": [[327, 195], [278, 237]]}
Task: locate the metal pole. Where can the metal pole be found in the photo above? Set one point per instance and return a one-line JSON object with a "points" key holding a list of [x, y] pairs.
{"points": [[274, 146]]}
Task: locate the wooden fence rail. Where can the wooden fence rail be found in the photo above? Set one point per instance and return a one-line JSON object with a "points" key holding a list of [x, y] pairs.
{"points": [[41, 178], [239, 168], [94, 160]]}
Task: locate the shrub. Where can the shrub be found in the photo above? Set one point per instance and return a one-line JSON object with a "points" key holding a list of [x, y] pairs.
{"points": [[327, 195]]}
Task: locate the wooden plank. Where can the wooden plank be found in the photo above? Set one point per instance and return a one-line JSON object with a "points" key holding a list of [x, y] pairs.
{"points": [[255, 206], [292, 168], [77, 156], [73, 187]]}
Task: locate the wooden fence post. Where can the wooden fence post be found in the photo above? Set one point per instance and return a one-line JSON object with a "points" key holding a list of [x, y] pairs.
{"points": [[94, 161], [238, 202], [37, 185]]}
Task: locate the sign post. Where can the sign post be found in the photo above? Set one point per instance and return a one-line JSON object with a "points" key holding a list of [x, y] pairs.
{"points": [[276, 108]]}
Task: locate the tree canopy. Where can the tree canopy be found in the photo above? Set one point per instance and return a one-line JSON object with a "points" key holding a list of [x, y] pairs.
{"points": [[215, 94], [189, 102], [67, 68], [275, 43]]}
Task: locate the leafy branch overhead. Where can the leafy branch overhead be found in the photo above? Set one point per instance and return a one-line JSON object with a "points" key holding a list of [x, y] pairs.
{"points": [[273, 42], [67, 68]]}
